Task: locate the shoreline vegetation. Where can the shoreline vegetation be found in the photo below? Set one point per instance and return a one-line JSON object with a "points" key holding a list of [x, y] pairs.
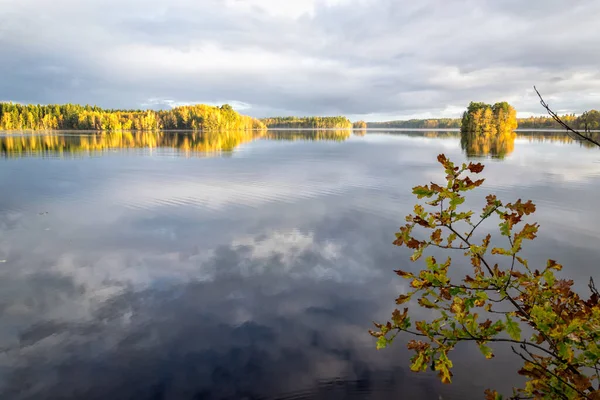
{"points": [[591, 119], [338, 122], [15, 117], [200, 117]]}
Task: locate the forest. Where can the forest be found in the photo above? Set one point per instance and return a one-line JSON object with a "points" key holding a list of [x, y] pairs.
{"points": [[308, 122], [591, 118], [209, 118], [442, 123], [77, 117]]}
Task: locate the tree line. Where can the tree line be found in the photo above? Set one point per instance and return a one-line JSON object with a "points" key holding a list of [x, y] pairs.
{"points": [[591, 119], [308, 122], [441, 123], [78, 117]]}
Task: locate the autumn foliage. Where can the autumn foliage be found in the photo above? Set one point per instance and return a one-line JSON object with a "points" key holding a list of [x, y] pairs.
{"points": [[499, 297]]}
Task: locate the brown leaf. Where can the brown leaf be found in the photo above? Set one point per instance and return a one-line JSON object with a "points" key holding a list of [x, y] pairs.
{"points": [[413, 244], [436, 236], [581, 382], [486, 324], [491, 199], [445, 293], [478, 182], [476, 261], [404, 274], [442, 159], [421, 221], [475, 168], [436, 188], [417, 345], [529, 231], [522, 208], [554, 265], [399, 317], [403, 298], [516, 274]]}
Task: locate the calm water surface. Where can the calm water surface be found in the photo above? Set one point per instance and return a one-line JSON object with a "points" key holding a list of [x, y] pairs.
{"points": [[154, 266]]}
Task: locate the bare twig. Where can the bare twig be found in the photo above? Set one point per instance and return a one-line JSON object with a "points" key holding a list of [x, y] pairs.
{"points": [[592, 287], [578, 135]]}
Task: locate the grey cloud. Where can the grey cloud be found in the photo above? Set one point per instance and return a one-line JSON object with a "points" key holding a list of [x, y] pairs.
{"points": [[349, 57]]}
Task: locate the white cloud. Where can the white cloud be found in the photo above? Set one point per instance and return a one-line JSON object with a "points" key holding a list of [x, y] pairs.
{"points": [[369, 58]]}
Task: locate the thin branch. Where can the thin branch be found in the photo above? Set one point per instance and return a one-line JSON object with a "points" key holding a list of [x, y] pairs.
{"points": [[480, 221], [449, 285], [592, 287], [446, 247], [512, 267], [518, 306], [547, 371], [480, 339], [579, 135], [590, 388]]}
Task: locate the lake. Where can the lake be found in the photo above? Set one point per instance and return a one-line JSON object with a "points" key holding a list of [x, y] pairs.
{"points": [[175, 265]]}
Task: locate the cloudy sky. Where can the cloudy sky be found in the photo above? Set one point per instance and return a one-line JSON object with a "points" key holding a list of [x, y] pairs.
{"points": [[371, 59]]}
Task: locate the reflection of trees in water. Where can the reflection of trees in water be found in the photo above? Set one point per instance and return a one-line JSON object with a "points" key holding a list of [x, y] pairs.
{"points": [[31, 145], [332, 134], [483, 144], [556, 137]]}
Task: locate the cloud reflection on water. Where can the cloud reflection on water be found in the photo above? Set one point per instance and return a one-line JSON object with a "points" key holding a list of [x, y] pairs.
{"points": [[263, 284]]}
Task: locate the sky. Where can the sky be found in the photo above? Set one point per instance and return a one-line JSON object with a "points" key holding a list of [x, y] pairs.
{"points": [[366, 59]]}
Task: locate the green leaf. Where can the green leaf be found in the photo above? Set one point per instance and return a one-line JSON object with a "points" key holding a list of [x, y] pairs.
{"points": [[418, 253], [424, 302], [417, 363], [512, 328], [504, 252], [549, 277], [422, 191], [443, 365], [486, 351], [456, 201], [382, 343], [451, 238], [505, 229], [563, 351]]}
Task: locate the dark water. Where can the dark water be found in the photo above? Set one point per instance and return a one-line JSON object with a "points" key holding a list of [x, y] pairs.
{"points": [[179, 266]]}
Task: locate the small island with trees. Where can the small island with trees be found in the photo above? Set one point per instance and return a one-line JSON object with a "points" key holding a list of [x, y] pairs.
{"points": [[481, 118]]}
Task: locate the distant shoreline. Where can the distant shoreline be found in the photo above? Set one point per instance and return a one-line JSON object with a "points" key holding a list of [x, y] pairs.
{"points": [[187, 131]]}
